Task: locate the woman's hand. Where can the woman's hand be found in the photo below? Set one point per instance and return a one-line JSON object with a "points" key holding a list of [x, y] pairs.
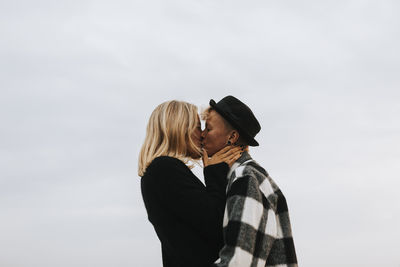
{"points": [[228, 154]]}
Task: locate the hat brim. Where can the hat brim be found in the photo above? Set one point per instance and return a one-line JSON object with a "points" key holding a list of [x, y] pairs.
{"points": [[249, 139]]}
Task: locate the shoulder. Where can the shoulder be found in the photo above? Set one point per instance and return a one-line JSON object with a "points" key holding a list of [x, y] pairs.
{"points": [[244, 182], [166, 163], [249, 173], [252, 180], [254, 169], [166, 167]]}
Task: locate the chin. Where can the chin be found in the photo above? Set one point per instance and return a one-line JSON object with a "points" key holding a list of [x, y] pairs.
{"points": [[195, 156], [210, 153]]}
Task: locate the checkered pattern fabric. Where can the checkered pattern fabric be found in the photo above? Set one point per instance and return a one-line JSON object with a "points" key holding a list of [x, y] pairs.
{"points": [[257, 229]]}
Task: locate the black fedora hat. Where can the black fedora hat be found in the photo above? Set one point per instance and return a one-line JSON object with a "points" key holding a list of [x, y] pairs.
{"points": [[240, 116]]}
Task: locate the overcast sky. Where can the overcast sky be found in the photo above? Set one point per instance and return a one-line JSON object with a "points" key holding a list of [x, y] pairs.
{"points": [[79, 80]]}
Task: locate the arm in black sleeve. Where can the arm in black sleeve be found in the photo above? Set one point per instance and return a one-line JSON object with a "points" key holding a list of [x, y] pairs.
{"points": [[215, 177], [199, 206]]}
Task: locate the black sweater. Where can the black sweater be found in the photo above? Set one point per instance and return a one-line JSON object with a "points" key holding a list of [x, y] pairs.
{"points": [[186, 215]]}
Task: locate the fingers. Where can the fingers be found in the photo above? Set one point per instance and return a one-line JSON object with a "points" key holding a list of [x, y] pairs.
{"points": [[237, 154], [228, 154], [232, 151], [222, 151], [233, 159], [205, 158]]}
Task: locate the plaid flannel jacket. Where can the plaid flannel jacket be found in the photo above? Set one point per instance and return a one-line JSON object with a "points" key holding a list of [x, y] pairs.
{"points": [[257, 229]]}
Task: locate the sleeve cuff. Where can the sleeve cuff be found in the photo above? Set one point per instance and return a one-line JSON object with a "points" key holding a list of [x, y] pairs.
{"points": [[216, 173]]}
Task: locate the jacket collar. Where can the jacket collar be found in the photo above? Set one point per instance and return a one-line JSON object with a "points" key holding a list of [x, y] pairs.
{"points": [[243, 158]]}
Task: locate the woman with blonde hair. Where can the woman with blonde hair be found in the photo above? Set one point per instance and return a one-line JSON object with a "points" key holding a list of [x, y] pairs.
{"points": [[186, 215]]}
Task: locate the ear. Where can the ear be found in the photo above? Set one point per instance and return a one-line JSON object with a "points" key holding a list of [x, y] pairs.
{"points": [[234, 136]]}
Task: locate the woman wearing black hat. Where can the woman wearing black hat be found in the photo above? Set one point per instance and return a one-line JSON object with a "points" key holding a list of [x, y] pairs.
{"points": [[186, 215], [257, 229]]}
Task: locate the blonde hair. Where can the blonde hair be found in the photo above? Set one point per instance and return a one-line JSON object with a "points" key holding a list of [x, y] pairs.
{"points": [[169, 133]]}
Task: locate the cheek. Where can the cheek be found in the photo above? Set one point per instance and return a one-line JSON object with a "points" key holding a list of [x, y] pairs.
{"points": [[196, 135], [215, 138], [210, 137]]}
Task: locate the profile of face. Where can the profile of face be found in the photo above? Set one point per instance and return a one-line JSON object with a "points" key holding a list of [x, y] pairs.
{"points": [[215, 136], [196, 137]]}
